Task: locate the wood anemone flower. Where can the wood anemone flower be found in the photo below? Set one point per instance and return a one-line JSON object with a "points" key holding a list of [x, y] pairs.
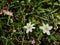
{"points": [[46, 28], [29, 27]]}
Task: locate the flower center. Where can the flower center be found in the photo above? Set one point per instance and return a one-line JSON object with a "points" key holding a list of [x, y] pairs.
{"points": [[46, 28], [29, 26]]}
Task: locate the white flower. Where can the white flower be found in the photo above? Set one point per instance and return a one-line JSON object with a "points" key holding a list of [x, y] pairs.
{"points": [[29, 27], [46, 28], [14, 30]]}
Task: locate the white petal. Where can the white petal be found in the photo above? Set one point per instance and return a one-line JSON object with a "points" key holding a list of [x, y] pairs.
{"points": [[47, 25], [27, 31], [33, 24], [29, 23], [33, 27], [44, 31], [41, 27], [30, 30], [50, 27], [25, 26], [48, 33], [44, 24]]}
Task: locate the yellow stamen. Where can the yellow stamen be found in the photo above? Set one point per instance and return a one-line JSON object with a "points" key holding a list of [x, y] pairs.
{"points": [[46, 28], [29, 26]]}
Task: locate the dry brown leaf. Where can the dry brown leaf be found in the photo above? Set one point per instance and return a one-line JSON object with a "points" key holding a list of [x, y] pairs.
{"points": [[7, 13], [33, 42], [1, 12]]}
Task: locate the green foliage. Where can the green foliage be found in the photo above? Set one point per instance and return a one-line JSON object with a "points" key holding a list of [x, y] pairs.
{"points": [[35, 11]]}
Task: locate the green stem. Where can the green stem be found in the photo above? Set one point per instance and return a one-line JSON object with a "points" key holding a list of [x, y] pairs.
{"points": [[23, 40], [52, 4], [12, 30], [28, 35], [8, 20], [6, 42]]}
